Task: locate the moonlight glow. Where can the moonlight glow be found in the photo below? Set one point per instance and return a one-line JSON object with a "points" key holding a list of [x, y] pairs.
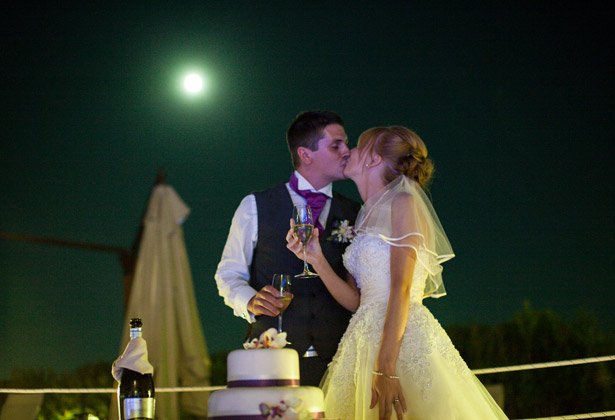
{"points": [[193, 83]]}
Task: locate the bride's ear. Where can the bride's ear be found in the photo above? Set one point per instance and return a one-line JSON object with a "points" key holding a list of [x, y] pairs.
{"points": [[375, 160]]}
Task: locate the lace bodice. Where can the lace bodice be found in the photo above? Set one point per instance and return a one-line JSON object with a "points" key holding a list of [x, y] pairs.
{"points": [[436, 382], [368, 259], [424, 344]]}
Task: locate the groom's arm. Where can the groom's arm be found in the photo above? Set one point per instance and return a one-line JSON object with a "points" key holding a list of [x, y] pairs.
{"points": [[233, 273]]}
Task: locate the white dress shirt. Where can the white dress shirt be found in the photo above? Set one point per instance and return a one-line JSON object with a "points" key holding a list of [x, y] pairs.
{"points": [[233, 273]]}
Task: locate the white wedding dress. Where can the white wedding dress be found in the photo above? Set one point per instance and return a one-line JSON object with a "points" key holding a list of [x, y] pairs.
{"points": [[436, 382]]}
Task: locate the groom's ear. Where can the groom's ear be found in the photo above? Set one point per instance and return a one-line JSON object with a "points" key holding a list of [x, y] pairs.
{"points": [[304, 155]]}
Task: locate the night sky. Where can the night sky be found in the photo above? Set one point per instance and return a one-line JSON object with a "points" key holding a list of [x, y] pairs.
{"points": [[514, 102]]}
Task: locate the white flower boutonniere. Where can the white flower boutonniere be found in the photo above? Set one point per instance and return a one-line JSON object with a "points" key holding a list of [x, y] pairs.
{"points": [[342, 232]]}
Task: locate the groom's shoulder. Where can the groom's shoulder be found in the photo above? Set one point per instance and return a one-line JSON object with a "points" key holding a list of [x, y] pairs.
{"points": [[274, 191], [349, 203], [340, 196]]}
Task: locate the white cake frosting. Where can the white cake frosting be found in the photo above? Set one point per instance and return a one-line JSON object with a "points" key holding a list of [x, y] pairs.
{"points": [[237, 402], [262, 380], [263, 367]]}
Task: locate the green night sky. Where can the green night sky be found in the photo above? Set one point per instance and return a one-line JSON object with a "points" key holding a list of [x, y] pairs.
{"points": [[514, 101]]}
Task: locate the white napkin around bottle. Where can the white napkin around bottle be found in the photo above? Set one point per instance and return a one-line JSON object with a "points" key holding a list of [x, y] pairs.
{"points": [[133, 358]]}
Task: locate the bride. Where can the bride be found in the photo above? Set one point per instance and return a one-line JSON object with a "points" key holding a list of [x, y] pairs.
{"points": [[394, 356]]}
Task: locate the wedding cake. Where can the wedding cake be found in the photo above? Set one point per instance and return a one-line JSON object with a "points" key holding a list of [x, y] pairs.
{"points": [[263, 383]]}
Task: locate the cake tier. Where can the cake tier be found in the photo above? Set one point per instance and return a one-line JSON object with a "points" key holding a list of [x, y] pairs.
{"points": [[262, 367], [249, 403]]}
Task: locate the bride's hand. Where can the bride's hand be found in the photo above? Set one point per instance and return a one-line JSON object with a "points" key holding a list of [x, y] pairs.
{"points": [[313, 252], [387, 393]]}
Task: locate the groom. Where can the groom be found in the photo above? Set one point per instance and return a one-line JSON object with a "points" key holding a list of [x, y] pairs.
{"points": [[256, 246]]}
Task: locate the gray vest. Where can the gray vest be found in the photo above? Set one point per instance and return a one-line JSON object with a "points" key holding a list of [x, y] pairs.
{"points": [[313, 317]]}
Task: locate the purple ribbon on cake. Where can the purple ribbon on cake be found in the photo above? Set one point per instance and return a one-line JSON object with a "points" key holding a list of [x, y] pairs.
{"points": [[316, 415], [262, 382]]}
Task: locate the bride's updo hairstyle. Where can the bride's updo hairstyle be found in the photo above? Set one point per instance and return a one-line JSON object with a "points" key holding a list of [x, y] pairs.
{"points": [[402, 151]]}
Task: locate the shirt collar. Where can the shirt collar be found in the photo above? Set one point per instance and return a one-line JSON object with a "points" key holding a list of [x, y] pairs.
{"points": [[304, 184]]}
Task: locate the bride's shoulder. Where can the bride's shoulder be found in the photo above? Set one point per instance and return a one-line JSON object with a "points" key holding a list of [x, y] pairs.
{"points": [[403, 209], [403, 200]]}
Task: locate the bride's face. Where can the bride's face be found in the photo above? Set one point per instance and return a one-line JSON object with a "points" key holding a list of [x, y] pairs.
{"points": [[354, 165]]}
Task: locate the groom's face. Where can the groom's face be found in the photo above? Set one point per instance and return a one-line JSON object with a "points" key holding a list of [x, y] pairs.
{"points": [[332, 154]]}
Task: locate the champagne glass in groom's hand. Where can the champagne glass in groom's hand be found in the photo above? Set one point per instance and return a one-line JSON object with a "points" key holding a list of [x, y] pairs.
{"points": [[281, 282], [304, 227]]}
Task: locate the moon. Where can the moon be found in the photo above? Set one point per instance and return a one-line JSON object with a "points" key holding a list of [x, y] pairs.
{"points": [[193, 83]]}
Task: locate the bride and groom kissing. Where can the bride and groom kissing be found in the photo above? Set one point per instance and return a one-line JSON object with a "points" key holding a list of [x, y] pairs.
{"points": [[362, 320]]}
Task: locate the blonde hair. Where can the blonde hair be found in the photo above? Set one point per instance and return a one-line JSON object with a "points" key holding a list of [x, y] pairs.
{"points": [[402, 151]]}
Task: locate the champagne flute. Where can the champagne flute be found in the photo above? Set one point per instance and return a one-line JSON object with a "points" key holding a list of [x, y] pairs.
{"points": [[282, 284], [304, 227]]}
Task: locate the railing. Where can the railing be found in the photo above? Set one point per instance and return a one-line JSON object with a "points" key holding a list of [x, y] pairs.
{"points": [[514, 368]]}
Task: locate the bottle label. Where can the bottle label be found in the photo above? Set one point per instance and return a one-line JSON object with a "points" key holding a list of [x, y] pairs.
{"points": [[139, 408]]}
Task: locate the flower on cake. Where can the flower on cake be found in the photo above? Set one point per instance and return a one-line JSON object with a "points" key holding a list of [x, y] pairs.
{"points": [[290, 408], [342, 232], [269, 339]]}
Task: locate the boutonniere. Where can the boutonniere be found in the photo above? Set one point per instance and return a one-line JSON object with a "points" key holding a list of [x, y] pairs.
{"points": [[342, 232]]}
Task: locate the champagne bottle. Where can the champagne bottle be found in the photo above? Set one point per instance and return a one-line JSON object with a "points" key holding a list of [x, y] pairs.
{"points": [[136, 391]]}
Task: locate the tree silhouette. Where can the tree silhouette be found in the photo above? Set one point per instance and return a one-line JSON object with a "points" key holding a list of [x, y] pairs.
{"points": [[533, 336]]}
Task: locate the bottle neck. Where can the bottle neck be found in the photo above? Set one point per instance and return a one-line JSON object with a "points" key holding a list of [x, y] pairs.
{"points": [[135, 332]]}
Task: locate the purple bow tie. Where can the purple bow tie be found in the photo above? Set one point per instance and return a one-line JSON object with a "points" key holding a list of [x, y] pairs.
{"points": [[315, 200]]}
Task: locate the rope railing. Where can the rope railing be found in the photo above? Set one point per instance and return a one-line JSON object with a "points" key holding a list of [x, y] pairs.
{"points": [[103, 390], [576, 416], [485, 371], [215, 388], [528, 366], [531, 366]]}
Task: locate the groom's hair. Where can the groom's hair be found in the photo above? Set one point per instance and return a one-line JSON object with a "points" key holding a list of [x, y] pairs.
{"points": [[306, 131]]}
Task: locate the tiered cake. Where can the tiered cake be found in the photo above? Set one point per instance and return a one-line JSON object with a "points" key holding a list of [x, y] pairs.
{"points": [[263, 383]]}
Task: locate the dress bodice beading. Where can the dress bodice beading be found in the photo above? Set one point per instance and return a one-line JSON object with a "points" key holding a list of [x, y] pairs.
{"points": [[436, 382], [368, 259]]}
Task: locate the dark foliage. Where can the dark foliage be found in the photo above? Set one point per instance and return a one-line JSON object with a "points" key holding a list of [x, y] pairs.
{"points": [[67, 406], [542, 336], [218, 368]]}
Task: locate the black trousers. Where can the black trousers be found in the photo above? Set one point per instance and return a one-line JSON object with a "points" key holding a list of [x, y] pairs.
{"points": [[312, 369]]}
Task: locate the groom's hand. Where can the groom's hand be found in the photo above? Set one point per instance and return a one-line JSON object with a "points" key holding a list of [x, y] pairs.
{"points": [[265, 302]]}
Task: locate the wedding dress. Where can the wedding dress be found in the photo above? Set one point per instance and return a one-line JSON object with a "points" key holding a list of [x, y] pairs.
{"points": [[436, 382]]}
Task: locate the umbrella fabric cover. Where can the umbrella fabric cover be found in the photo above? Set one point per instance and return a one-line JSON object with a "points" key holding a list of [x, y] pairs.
{"points": [[162, 295]]}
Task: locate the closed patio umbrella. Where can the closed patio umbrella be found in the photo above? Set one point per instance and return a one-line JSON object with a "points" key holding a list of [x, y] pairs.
{"points": [[162, 295]]}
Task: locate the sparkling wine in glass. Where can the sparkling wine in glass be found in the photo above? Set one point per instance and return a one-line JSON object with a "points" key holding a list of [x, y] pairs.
{"points": [[304, 227], [282, 284]]}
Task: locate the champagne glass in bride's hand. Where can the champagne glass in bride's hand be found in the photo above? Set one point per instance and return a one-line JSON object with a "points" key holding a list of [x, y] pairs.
{"points": [[281, 282], [304, 227]]}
